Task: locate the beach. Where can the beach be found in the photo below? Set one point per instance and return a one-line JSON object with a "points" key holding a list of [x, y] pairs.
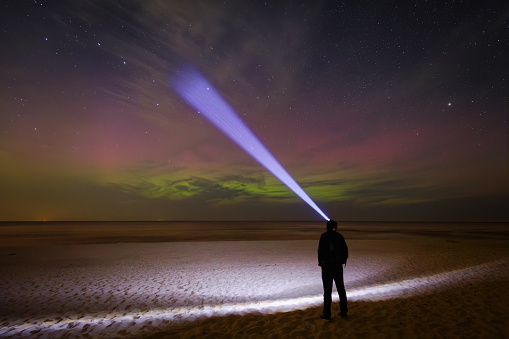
{"points": [[447, 283]]}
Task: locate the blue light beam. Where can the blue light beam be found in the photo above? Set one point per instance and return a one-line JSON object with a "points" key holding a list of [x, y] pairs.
{"points": [[200, 95]]}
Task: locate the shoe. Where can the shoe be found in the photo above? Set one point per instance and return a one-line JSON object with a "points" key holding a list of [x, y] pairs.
{"points": [[325, 317], [343, 315]]}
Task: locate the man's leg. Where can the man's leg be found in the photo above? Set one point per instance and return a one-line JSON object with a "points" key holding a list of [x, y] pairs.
{"points": [[340, 286], [327, 291]]}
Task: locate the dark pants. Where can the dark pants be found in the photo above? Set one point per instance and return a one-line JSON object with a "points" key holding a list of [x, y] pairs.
{"points": [[330, 273]]}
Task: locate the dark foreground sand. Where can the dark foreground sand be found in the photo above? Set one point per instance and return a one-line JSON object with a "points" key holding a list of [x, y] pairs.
{"points": [[475, 311], [399, 287]]}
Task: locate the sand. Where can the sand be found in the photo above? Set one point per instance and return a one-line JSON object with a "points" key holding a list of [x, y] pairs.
{"points": [[403, 287]]}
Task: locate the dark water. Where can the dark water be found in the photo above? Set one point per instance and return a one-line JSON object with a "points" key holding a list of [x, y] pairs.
{"points": [[51, 233]]}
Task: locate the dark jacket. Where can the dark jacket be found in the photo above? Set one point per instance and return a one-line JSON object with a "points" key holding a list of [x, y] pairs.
{"points": [[332, 249]]}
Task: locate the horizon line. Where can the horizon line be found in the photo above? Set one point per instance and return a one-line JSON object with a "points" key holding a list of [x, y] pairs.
{"points": [[262, 220]]}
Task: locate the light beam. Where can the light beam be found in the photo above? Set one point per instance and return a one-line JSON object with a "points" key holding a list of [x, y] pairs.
{"points": [[200, 95]]}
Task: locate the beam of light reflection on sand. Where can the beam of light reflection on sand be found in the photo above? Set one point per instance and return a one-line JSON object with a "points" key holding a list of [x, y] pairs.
{"points": [[399, 289]]}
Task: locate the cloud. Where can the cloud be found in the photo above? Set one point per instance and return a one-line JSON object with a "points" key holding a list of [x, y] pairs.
{"points": [[196, 188], [227, 42], [244, 180]]}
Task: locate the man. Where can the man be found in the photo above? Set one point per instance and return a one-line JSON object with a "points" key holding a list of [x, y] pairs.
{"points": [[332, 255]]}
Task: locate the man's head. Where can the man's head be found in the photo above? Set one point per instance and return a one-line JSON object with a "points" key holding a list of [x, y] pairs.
{"points": [[332, 226]]}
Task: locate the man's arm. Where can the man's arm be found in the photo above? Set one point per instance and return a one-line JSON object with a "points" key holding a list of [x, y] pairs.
{"points": [[320, 251], [346, 251]]}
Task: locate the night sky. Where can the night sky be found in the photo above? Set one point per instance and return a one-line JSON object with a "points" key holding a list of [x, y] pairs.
{"points": [[379, 111]]}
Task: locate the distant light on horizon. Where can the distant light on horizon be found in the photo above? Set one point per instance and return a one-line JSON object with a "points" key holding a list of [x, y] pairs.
{"points": [[202, 96]]}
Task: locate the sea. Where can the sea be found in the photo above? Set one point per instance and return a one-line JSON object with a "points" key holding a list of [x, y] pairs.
{"points": [[14, 234]]}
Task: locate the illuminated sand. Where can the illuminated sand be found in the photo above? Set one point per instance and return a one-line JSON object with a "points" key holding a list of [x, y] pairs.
{"points": [[406, 287]]}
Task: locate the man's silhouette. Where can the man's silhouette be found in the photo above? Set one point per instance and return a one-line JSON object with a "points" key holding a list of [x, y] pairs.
{"points": [[332, 255]]}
